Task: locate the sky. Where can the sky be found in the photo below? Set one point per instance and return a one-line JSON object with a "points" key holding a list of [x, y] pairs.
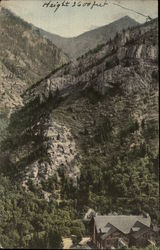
{"points": [[72, 21]]}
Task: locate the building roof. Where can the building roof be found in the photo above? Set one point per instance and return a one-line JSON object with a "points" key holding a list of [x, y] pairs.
{"points": [[141, 231], [108, 230], [123, 223]]}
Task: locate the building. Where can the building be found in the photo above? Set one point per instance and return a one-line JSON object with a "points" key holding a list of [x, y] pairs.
{"points": [[117, 231]]}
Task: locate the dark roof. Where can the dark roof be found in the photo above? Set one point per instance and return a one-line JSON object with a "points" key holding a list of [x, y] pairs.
{"points": [[141, 231], [108, 230], [123, 223]]}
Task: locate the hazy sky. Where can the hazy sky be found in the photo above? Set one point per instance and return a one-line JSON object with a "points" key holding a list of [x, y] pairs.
{"points": [[69, 21]]}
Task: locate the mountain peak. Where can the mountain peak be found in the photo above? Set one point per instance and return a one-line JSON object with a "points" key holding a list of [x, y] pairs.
{"points": [[129, 19]]}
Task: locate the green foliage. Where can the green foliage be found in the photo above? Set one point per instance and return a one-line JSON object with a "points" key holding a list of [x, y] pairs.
{"points": [[103, 131], [54, 240], [129, 129], [28, 221], [50, 184], [151, 247], [114, 175], [78, 230], [4, 121], [77, 234], [150, 131], [95, 50], [46, 240]]}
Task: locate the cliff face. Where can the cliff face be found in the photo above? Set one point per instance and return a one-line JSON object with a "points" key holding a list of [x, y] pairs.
{"points": [[11, 89], [133, 50], [98, 115]]}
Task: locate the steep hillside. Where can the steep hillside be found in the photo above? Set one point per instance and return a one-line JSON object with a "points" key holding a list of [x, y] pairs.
{"points": [[25, 52], [79, 45], [87, 136], [11, 89], [25, 57]]}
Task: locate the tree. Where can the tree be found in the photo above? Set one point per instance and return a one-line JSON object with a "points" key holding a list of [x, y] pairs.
{"points": [[54, 240], [38, 241], [76, 231]]}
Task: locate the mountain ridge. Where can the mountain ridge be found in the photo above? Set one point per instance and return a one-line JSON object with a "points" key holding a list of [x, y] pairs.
{"points": [[88, 31], [78, 45], [124, 18]]}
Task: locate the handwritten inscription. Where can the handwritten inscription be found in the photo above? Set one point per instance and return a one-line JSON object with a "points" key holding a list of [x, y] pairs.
{"points": [[56, 5]]}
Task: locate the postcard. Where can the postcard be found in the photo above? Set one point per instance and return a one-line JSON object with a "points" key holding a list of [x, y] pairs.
{"points": [[79, 144]]}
